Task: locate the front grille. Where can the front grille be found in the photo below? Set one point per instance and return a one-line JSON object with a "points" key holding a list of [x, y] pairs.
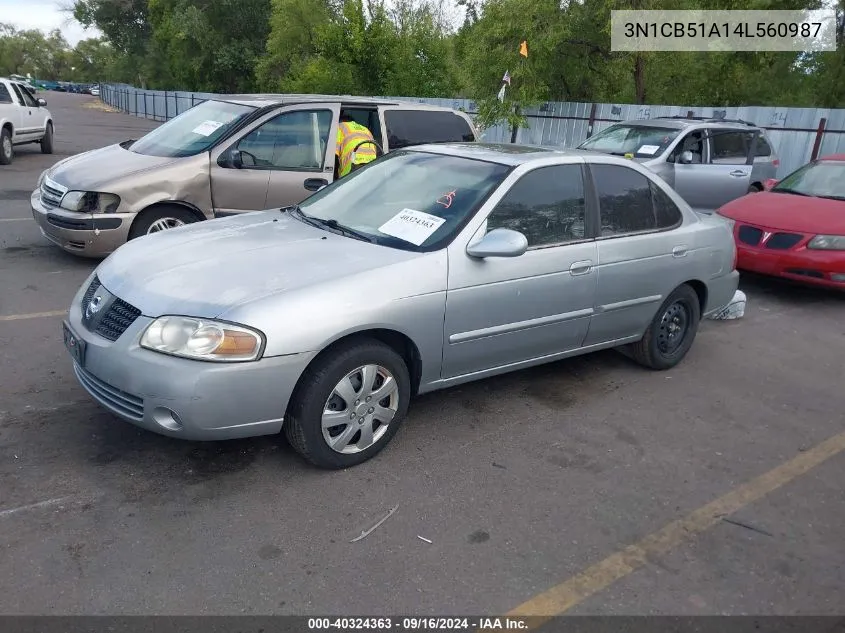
{"points": [[750, 235], [65, 223], [117, 319], [783, 241], [50, 197], [112, 398]]}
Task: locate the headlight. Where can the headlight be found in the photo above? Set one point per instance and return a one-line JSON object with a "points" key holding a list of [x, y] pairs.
{"points": [[41, 179], [90, 202], [202, 339], [827, 243]]}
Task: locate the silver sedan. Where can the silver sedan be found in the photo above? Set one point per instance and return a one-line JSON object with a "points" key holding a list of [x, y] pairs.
{"points": [[430, 267]]}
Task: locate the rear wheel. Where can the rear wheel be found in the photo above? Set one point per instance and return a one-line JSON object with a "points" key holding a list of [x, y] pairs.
{"points": [[672, 331], [755, 188], [160, 219], [7, 152], [349, 405], [47, 140]]}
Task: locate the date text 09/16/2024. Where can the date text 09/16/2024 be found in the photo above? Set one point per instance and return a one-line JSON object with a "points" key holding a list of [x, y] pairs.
{"points": [[418, 624], [745, 30]]}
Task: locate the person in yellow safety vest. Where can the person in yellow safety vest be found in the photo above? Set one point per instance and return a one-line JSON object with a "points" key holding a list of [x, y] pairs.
{"points": [[350, 134]]}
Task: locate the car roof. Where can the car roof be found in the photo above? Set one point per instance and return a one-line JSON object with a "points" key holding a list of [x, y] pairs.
{"points": [[505, 153], [269, 100]]}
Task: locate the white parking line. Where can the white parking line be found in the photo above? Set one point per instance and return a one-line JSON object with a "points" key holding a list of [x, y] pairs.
{"points": [[32, 315], [33, 506], [15, 219]]}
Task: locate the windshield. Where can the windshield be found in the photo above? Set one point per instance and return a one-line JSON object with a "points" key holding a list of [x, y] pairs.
{"points": [[825, 179], [193, 131], [409, 200], [640, 140]]}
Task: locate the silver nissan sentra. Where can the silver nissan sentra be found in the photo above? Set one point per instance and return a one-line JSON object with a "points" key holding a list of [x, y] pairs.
{"points": [[430, 267]]}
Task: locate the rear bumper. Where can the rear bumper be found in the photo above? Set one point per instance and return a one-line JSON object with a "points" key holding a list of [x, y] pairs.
{"points": [[720, 291], [818, 268], [89, 235]]}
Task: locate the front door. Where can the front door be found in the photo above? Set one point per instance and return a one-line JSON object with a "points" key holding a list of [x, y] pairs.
{"points": [[283, 159], [502, 311]]}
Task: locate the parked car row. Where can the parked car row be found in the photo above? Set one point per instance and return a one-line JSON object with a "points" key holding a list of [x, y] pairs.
{"points": [[445, 261]]}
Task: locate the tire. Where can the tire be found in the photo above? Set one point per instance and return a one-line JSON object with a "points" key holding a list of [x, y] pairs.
{"points": [[47, 140], [318, 393], [159, 219], [755, 189], [658, 349], [7, 150]]}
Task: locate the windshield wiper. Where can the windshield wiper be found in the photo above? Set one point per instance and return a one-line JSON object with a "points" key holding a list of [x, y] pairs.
{"points": [[296, 210], [832, 197]]}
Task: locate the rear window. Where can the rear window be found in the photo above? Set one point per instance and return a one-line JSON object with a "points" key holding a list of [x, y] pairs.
{"points": [[763, 147], [416, 127], [5, 97]]}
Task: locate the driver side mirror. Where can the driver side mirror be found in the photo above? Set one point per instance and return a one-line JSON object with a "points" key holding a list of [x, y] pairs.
{"points": [[231, 159], [41, 103], [499, 243], [686, 157]]}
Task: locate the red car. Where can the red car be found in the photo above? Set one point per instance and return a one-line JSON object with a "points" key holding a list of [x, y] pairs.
{"points": [[796, 227]]}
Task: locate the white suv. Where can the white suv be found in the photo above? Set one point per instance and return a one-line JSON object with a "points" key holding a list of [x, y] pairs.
{"points": [[23, 119]]}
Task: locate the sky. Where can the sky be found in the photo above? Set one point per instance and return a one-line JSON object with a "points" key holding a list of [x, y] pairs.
{"points": [[45, 15]]}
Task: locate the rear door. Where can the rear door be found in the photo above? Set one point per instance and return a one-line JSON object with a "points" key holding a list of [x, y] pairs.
{"points": [[285, 157], [13, 110], [407, 126], [644, 251], [731, 157]]}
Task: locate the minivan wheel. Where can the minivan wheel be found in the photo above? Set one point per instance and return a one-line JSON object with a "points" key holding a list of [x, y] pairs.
{"points": [[47, 140], [755, 189], [7, 152], [160, 219], [672, 331], [349, 405]]}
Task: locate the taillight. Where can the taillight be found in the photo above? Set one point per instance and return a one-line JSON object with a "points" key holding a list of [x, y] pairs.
{"points": [[776, 162]]}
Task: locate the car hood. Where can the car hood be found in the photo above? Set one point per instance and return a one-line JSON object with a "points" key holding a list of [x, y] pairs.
{"points": [[94, 170], [208, 268], [788, 212]]}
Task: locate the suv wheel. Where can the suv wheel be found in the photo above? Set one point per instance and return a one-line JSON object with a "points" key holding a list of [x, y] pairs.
{"points": [[160, 219], [47, 140], [7, 152]]}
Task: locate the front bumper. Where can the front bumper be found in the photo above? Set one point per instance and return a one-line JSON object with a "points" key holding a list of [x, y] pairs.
{"points": [[815, 267], [86, 234], [183, 398]]}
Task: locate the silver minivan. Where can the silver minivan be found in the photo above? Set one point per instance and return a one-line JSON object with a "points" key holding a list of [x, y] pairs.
{"points": [[222, 157], [708, 162]]}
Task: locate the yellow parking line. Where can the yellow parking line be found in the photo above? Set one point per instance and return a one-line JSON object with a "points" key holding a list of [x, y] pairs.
{"points": [[566, 595], [32, 315]]}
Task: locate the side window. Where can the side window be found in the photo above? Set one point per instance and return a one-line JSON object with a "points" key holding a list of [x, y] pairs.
{"points": [[625, 200], [763, 148], [692, 142], [293, 140], [17, 92], [26, 97], [666, 212], [546, 205], [729, 148], [415, 127], [5, 97]]}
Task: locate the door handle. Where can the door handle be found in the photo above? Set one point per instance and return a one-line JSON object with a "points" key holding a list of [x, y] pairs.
{"points": [[581, 268], [315, 184], [679, 251], [738, 173]]}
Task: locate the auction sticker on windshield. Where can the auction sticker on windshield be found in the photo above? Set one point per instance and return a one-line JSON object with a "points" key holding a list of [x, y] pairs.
{"points": [[207, 128], [648, 150], [412, 226]]}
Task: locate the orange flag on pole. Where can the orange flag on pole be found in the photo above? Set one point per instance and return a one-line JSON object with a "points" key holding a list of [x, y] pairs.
{"points": [[523, 49]]}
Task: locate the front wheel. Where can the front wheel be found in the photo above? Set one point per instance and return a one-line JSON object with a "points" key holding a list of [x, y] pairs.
{"points": [[349, 405], [672, 331], [160, 219], [47, 140], [7, 152]]}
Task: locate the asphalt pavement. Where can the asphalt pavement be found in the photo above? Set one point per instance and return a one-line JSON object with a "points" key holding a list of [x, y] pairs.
{"points": [[520, 483]]}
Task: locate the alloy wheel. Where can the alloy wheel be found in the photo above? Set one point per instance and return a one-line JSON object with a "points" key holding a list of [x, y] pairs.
{"points": [[163, 224]]}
